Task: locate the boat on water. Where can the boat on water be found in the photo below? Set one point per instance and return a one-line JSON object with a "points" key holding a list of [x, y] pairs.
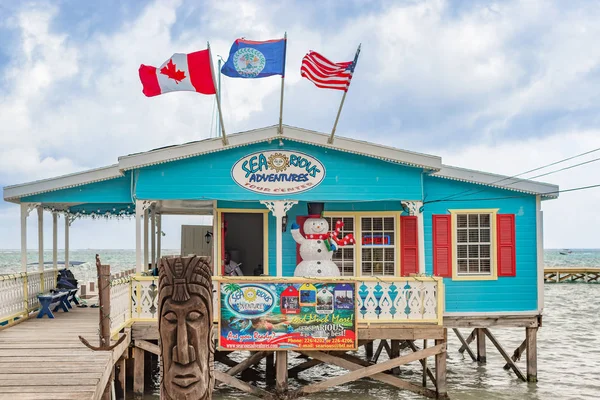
{"points": [[565, 252]]}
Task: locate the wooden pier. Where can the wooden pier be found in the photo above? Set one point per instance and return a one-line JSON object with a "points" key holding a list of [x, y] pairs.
{"points": [[563, 275], [44, 358]]}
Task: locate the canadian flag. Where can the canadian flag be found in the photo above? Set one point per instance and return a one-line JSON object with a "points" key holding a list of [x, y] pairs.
{"points": [[182, 72]]}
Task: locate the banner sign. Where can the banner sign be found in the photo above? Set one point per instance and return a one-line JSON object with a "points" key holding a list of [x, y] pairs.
{"points": [[278, 172], [279, 316]]}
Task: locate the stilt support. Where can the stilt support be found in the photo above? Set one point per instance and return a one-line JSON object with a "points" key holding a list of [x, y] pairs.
{"points": [[138, 372], [531, 338], [440, 367], [465, 343], [481, 357], [395, 353], [517, 353], [281, 373], [121, 378], [503, 353], [369, 350]]}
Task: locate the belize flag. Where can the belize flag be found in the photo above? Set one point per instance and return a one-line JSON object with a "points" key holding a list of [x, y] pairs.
{"points": [[252, 59]]}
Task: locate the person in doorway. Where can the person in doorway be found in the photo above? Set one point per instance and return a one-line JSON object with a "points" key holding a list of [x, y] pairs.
{"points": [[231, 267]]}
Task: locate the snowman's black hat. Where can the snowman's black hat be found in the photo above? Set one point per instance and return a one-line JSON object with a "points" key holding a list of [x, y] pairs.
{"points": [[315, 210]]}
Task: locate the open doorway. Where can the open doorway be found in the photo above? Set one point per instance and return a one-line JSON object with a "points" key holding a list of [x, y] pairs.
{"points": [[244, 240]]}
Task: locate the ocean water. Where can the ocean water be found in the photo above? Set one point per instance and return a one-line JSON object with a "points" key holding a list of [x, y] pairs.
{"points": [[568, 343]]}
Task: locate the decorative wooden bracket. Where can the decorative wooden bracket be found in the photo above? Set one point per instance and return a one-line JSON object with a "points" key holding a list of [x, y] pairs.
{"points": [[103, 348]]}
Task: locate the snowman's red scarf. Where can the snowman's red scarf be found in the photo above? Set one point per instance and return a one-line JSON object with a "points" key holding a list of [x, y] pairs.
{"points": [[348, 239]]}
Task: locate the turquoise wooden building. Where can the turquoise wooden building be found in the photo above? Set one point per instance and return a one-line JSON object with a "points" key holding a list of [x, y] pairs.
{"points": [[481, 232], [411, 214]]}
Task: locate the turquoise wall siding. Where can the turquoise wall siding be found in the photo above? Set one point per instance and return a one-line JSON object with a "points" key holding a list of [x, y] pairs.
{"points": [[116, 190], [517, 293], [348, 177]]}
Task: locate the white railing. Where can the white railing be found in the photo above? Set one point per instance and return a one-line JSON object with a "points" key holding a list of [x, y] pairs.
{"points": [[18, 293], [120, 303], [399, 300]]}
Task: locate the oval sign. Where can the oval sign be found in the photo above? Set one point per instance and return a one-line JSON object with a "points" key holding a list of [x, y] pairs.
{"points": [[278, 173], [251, 300]]}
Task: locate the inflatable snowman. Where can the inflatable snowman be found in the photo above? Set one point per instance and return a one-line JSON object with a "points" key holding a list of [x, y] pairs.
{"points": [[317, 246]]}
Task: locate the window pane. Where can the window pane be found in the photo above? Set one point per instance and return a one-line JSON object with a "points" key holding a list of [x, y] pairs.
{"points": [[389, 254], [473, 235], [473, 251], [378, 268], [461, 220], [485, 265], [484, 251], [484, 220], [378, 254], [388, 238], [473, 220], [485, 235], [348, 224], [461, 251], [473, 266], [388, 224], [462, 266], [461, 236], [366, 224], [378, 224], [389, 268], [366, 269], [367, 254]]}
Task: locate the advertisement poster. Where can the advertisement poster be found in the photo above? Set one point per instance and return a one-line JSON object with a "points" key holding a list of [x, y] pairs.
{"points": [[261, 315]]}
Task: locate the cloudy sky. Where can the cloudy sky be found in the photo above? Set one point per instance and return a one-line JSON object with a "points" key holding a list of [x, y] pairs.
{"points": [[500, 86]]}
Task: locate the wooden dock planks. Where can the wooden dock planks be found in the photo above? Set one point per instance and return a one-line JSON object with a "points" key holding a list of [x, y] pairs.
{"points": [[44, 359]]}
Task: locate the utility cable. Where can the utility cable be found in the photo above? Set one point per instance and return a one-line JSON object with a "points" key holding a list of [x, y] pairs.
{"points": [[526, 172]]}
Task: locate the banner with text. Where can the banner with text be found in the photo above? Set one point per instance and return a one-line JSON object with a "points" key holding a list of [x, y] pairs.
{"points": [[278, 316]]}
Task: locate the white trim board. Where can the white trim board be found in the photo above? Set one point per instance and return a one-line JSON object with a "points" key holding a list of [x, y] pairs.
{"points": [[268, 134], [546, 190]]}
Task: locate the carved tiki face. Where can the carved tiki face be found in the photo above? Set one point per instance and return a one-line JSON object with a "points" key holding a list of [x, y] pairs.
{"points": [[185, 323]]}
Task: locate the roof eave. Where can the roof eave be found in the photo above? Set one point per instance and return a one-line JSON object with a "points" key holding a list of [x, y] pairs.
{"points": [[14, 193], [168, 154], [545, 190]]}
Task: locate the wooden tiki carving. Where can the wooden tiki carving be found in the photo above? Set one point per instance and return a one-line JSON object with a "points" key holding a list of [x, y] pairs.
{"points": [[185, 328]]}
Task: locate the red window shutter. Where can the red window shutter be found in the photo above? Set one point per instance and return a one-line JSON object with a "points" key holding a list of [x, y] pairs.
{"points": [[409, 241], [300, 221], [442, 246], [505, 225]]}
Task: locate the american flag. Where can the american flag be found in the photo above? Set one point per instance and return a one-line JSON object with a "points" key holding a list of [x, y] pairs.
{"points": [[326, 74]]}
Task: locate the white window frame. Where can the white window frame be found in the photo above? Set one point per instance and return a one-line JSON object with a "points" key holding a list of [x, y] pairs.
{"points": [[357, 216], [493, 274]]}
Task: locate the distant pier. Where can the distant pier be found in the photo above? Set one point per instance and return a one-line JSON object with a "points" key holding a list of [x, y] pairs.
{"points": [[562, 275]]}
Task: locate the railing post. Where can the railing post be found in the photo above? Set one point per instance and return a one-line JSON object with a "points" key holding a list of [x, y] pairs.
{"points": [[25, 296], [40, 213]]}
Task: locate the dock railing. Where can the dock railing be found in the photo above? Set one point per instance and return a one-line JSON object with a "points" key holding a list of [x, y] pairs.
{"points": [[19, 291], [389, 300]]}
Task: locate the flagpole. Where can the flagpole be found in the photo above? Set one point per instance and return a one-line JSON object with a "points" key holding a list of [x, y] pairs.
{"points": [[282, 82], [337, 118], [219, 90], [212, 72]]}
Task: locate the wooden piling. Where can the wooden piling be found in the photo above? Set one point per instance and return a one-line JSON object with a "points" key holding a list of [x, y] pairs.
{"points": [[138, 372], [395, 353], [281, 374], [369, 350], [531, 338], [424, 363], [122, 378], [440, 367], [481, 357]]}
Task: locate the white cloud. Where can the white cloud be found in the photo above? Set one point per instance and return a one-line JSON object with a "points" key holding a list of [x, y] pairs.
{"points": [[71, 104]]}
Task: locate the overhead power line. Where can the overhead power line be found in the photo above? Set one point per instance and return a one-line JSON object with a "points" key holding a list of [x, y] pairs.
{"points": [[515, 196], [529, 171]]}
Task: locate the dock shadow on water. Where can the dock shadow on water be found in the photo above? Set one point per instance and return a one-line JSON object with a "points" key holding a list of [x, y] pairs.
{"points": [[568, 361]]}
